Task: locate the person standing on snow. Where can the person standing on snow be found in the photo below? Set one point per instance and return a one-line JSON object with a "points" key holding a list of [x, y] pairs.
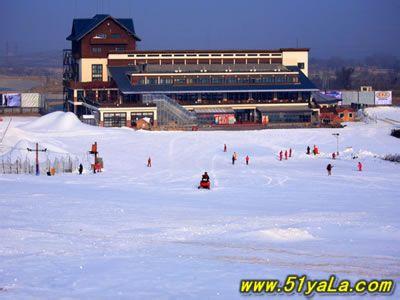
{"points": [[149, 162], [225, 148], [290, 152], [360, 166], [235, 155], [286, 154], [233, 159], [333, 155], [80, 169], [308, 150], [329, 169], [247, 159], [280, 155]]}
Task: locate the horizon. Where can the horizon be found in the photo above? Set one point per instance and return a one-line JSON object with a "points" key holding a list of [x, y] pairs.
{"points": [[243, 27]]}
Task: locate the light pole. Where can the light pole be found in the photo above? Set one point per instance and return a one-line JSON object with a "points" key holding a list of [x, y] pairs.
{"points": [[337, 142], [37, 150]]}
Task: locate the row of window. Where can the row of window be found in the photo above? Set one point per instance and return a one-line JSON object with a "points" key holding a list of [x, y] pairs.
{"points": [[97, 50], [206, 80], [218, 97]]}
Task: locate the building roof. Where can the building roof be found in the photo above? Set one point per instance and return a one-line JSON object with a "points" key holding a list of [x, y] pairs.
{"points": [[81, 27], [227, 51], [120, 76], [335, 110]]}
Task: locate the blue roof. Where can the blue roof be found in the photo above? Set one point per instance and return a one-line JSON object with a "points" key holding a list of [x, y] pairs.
{"points": [[81, 27], [120, 76]]}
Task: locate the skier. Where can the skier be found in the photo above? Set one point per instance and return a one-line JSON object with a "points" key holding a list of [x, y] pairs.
{"points": [[308, 150], [149, 162], [360, 166], [280, 155], [235, 155], [290, 152], [286, 154], [225, 149], [80, 170], [333, 155], [233, 159], [329, 169], [247, 159]]}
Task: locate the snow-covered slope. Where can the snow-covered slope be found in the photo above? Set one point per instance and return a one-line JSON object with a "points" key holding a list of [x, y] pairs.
{"points": [[134, 232]]}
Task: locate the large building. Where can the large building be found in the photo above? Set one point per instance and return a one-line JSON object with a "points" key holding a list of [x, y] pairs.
{"points": [[108, 81]]}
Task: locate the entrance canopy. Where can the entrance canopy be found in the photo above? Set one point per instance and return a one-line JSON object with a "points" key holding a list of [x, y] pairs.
{"points": [[214, 110], [284, 109]]}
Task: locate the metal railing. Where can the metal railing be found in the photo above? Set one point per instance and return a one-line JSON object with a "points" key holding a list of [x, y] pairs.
{"points": [[169, 111]]}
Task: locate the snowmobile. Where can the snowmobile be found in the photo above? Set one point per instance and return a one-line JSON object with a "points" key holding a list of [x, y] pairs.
{"points": [[204, 184]]}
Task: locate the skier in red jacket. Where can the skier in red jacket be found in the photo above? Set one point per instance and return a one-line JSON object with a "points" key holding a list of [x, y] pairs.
{"points": [[280, 155], [286, 154], [247, 159], [360, 166]]}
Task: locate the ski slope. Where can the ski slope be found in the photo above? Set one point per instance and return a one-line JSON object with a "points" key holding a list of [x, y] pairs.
{"points": [[133, 232]]}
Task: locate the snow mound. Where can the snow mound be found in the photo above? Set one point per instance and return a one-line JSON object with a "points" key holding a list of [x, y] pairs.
{"points": [[56, 121], [287, 235]]}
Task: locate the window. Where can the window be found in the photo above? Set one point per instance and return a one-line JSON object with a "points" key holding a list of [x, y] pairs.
{"points": [[102, 96], [80, 95], [152, 80], [96, 50], [179, 80], [114, 119], [341, 115], [350, 115], [300, 65], [115, 36], [100, 36], [119, 49], [165, 80], [97, 72]]}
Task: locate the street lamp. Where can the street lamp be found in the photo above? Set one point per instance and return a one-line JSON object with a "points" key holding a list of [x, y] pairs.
{"points": [[337, 142]]}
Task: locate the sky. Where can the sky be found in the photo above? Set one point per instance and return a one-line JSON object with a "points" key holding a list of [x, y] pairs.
{"points": [[348, 29]]}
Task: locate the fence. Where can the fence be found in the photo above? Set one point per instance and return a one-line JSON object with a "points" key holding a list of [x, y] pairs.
{"points": [[14, 162]]}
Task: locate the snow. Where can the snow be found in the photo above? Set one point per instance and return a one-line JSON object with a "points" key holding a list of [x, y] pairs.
{"points": [[133, 232], [56, 121]]}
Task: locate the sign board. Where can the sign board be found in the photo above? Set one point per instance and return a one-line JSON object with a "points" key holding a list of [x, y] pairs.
{"points": [[10, 100], [383, 97], [334, 94]]}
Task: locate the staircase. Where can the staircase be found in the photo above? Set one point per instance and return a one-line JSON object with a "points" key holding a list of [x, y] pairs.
{"points": [[169, 111]]}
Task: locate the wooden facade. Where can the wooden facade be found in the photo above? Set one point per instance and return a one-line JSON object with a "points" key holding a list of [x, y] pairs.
{"points": [[109, 36]]}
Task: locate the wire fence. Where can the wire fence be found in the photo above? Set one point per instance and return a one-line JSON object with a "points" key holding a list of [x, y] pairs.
{"points": [[22, 161]]}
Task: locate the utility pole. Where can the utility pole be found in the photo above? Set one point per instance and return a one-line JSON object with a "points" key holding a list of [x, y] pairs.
{"points": [[337, 142], [37, 156]]}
